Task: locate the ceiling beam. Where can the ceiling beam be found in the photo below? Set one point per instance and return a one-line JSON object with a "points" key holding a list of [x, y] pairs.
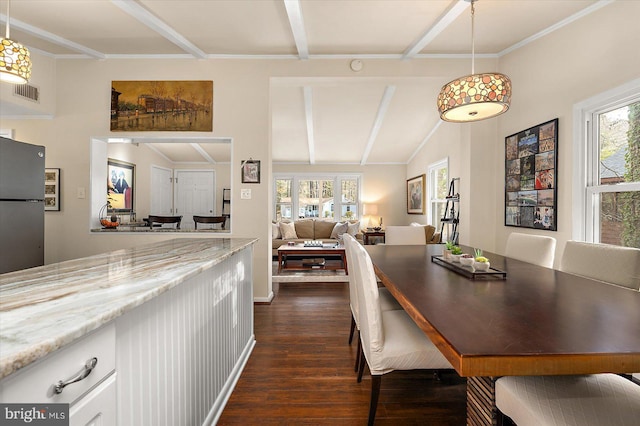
{"points": [[308, 113], [424, 141], [139, 12], [294, 12], [52, 38], [202, 152], [377, 124], [454, 10], [580, 14]]}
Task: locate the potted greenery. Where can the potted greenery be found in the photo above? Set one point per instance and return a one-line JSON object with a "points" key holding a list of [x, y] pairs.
{"points": [[481, 263], [448, 246], [456, 252]]}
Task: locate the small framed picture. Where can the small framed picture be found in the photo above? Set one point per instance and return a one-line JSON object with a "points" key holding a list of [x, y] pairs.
{"points": [[52, 189], [250, 171], [415, 195]]}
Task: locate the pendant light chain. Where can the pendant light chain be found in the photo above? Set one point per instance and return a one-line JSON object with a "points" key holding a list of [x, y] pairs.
{"points": [[8, 19], [473, 39]]}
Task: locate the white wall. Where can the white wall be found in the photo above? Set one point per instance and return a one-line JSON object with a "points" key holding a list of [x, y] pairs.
{"points": [[593, 54]]}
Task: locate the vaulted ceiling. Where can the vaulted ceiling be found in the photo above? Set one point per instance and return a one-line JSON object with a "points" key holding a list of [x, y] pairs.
{"points": [[315, 120]]}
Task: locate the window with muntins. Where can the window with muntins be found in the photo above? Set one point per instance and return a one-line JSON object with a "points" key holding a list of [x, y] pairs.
{"points": [[437, 187], [612, 187], [331, 197]]}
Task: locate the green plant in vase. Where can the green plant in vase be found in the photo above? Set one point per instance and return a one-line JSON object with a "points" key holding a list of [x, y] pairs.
{"points": [[456, 252], [448, 246], [481, 262]]}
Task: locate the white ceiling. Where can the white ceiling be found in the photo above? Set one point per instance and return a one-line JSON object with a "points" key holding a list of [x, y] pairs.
{"points": [[317, 120]]}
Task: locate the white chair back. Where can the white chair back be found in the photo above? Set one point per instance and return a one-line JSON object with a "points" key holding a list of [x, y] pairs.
{"points": [[349, 242], [369, 311], [604, 262], [405, 235], [537, 249]]}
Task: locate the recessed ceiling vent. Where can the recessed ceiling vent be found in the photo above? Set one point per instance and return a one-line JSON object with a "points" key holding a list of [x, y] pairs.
{"points": [[27, 91]]}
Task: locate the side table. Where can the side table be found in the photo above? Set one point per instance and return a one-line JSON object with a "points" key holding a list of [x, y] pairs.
{"points": [[366, 234]]}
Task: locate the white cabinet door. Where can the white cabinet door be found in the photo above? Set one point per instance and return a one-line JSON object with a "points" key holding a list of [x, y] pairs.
{"points": [[98, 407]]}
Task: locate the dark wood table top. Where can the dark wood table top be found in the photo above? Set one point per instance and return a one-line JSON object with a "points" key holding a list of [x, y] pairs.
{"points": [[538, 321]]}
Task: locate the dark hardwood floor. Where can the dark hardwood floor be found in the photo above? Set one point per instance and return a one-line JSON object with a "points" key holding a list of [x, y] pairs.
{"points": [[301, 371]]}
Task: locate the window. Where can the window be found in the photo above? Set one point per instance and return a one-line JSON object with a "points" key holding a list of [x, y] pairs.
{"points": [[611, 206], [438, 185], [283, 200], [317, 196]]}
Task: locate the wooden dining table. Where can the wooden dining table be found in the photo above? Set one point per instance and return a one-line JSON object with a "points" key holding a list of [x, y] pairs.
{"points": [[535, 321]]}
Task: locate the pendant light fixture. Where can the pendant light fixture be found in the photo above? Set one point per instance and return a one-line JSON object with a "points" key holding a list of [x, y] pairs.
{"points": [[477, 96], [15, 61]]}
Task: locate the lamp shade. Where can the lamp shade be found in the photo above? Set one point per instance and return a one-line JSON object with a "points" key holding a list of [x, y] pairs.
{"points": [[474, 97], [15, 62], [370, 209]]}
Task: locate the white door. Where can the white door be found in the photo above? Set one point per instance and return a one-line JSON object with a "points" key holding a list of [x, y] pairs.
{"points": [[195, 195], [161, 191]]}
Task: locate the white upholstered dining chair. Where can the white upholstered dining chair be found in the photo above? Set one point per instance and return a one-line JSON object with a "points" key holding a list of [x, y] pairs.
{"points": [[390, 339], [588, 400], [387, 301], [537, 249], [405, 235], [611, 264]]}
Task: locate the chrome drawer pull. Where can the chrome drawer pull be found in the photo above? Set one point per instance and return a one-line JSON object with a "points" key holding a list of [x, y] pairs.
{"points": [[86, 370]]}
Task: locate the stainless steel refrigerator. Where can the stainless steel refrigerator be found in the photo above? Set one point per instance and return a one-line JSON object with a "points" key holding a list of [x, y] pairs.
{"points": [[21, 205]]}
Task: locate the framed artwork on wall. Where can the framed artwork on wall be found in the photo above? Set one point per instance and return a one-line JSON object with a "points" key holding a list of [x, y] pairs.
{"points": [[250, 170], [120, 185], [531, 165], [415, 195], [52, 189], [140, 105]]}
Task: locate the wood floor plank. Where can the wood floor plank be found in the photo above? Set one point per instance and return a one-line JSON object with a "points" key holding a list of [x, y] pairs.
{"points": [[301, 371]]}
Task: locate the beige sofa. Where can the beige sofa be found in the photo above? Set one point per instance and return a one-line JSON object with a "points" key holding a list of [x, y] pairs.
{"points": [[309, 229]]}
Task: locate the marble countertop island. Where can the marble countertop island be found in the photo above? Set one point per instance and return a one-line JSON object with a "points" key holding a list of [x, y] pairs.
{"points": [[45, 308]]}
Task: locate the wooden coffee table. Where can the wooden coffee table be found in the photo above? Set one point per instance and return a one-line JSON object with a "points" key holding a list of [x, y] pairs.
{"points": [[300, 252]]}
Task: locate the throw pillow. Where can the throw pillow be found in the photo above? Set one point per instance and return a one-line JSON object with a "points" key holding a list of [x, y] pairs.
{"points": [[322, 229], [305, 229], [275, 231], [339, 229], [288, 231], [353, 229]]}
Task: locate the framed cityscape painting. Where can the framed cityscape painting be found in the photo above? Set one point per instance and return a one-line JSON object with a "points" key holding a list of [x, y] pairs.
{"points": [[165, 105], [531, 165]]}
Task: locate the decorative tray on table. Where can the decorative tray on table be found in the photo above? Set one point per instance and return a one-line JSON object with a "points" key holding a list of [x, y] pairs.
{"points": [[468, 271]]}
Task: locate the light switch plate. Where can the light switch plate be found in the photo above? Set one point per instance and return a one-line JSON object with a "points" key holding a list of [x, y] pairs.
{"points": [[81, 192], [245, 194]]}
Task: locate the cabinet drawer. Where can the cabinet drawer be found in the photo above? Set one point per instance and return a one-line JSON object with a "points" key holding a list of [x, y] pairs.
{"points": [[98, 408], [35, 383]]}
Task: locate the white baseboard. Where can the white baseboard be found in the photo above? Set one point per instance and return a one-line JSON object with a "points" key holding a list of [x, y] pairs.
{"points": [[267, 299]]}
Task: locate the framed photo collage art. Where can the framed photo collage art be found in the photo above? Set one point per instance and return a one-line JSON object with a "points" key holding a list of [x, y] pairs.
{"points": [[530, 177]]}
